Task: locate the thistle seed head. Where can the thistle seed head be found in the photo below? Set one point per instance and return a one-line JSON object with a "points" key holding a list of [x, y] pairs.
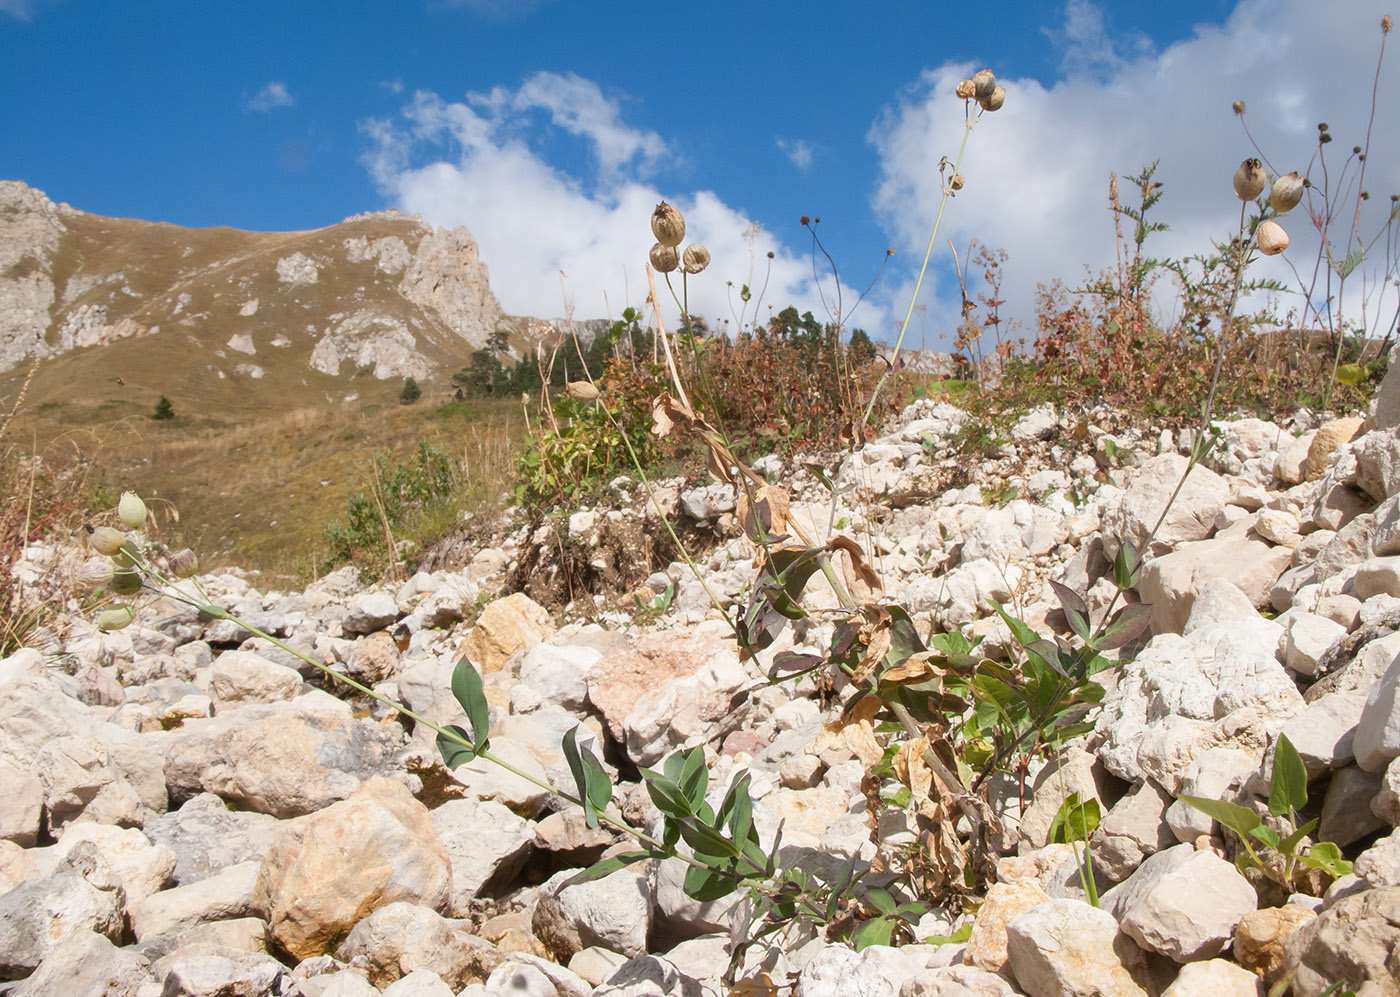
{"points": [[664, 259], [1286, 192], [696, 258], [667, 225], [1249, 180]]}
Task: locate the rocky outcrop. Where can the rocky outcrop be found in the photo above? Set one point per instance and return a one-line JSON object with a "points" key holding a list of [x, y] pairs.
{"points": [[30, 228]]}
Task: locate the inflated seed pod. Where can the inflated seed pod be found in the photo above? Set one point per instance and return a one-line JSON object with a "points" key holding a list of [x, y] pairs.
{"points": [[985, 81], [96, 573], [1249, 180], [1286, 192], [106, 540], [994, 102], [957, 182], [1271, 237], [696, 258], [967, 90], [664, 259], [131, 510], [126, 582], [184, 563], [581, 391], [116, 618], [668, 225]]}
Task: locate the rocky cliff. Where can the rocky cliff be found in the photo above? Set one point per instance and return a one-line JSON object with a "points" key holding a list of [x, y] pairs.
{"points": [[382, 293]]}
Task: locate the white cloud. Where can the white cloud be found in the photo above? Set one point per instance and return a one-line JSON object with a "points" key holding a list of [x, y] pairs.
{"points": [[1037, 171], [272, 96], [472, 163], [799, 150]]}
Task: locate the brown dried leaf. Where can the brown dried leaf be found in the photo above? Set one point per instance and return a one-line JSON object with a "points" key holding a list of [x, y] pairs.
{"points": [[860, 738], [915, 668], [770, 511], [875, 650], [861, 580]]}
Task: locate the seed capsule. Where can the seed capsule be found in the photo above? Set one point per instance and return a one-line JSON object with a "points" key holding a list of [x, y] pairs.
{"points": [[1286, 192], [1249, 180], [957, 182], [96, 573], [126, 582], [106, 540], [985, 81], [117, 618], [994, 102], [967, 90], [184, 563], [131, 510], [664, 259], [581, 391], [668, 225], [696, 258], [1271, 237]]}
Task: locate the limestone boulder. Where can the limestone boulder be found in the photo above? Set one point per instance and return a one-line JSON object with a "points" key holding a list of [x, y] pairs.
{"points": [[332, 869]]}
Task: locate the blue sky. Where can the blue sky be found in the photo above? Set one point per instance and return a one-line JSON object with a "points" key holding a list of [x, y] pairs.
{"points": [[548, 128]]}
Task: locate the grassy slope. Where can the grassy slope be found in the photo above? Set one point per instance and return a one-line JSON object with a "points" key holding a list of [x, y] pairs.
{"points": [[253, 467]]}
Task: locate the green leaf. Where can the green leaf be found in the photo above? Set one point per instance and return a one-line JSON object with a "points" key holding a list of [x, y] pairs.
{"points": [[694, 778], [1019, 629], [1289, 788], [706, 840], [453, 752], [1265, 834], [1325, 855], [610, 865], [1350, 373], [737, 810], [666, 795], [1289, 845], [571, 755], [708, 884], [1075, 609], [1239, 819], [881, 901], [471, 695], [877, 931], [1075, 820], [1127, 624], [1126, 564]]}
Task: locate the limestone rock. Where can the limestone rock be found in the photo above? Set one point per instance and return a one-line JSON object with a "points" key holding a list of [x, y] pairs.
{"points": [[401, 938], [1069, 947], [87, 964], [613, 912], [1181, 696], [243, 677], [207, 970], [447, 276], [663, 691], [81, 895], [1214, 978], [486, 844], [986, 946], [282, 761], [504, 628], [207, 837], [1261, 936], [1354, 941], [1183, 904], [1192, 515], [328, 871], [225, 895]]}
